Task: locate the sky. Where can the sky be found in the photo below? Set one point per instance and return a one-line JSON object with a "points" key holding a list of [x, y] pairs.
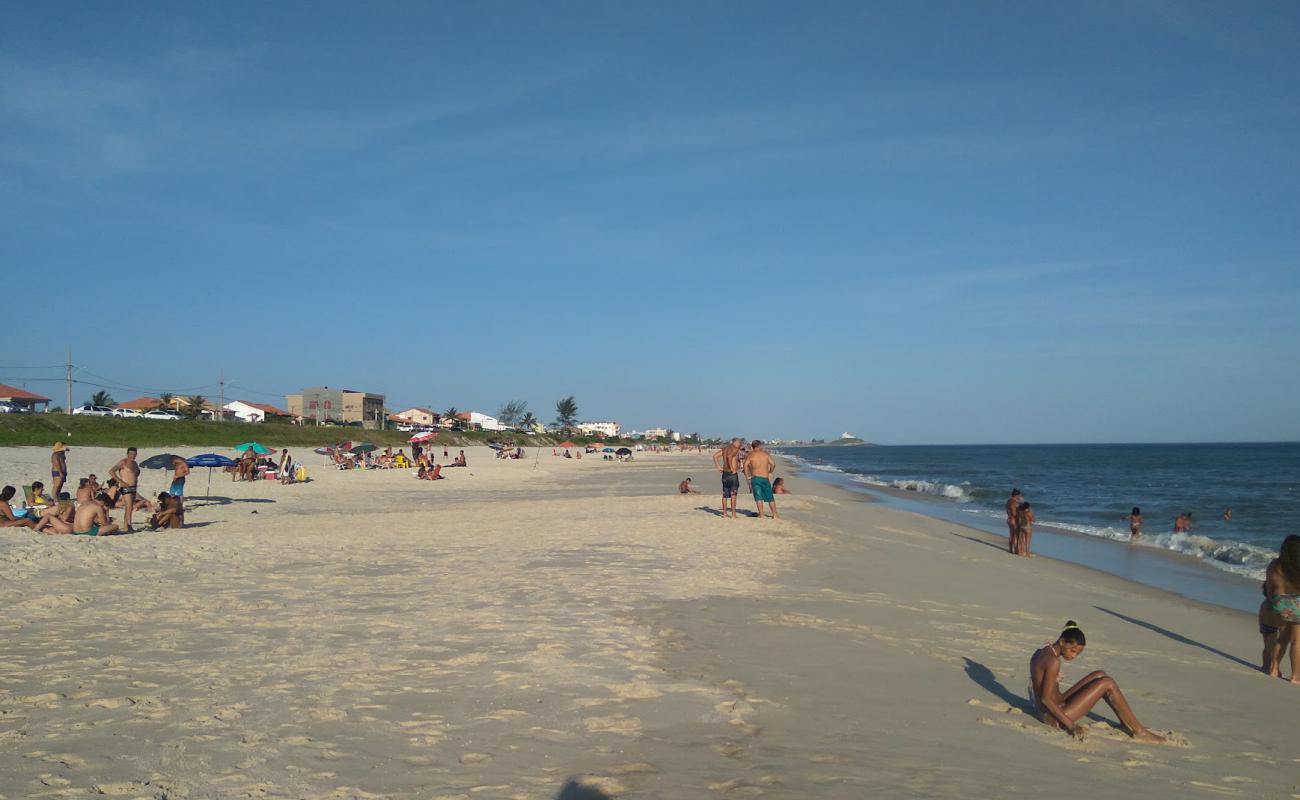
{"points": [[920, 223]]}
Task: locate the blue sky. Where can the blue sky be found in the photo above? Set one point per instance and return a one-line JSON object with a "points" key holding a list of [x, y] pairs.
{"points": [[924, 223]]}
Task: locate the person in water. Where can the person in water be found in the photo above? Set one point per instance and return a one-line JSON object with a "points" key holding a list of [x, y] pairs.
{"points": [[1065, 710], [1135, 524], [1282, 598]]}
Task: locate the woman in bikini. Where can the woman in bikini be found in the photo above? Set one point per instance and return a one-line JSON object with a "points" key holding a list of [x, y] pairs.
{"points": [[1065, 710], [1279, 617], [1135, 524]]}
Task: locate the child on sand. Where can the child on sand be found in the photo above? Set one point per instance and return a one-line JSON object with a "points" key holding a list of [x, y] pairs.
{"points": [[1065, 710]]}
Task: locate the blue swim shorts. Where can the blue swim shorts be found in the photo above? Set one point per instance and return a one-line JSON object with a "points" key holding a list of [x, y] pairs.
{"points": [[762, 489]]}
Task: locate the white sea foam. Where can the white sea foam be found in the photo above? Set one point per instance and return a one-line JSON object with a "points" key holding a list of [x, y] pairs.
{"points": [[1238, 558], [948, 490]]}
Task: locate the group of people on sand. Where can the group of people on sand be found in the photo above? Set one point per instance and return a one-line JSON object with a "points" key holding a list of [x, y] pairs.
{"points": [[1020, 525], [88, 513], [248, 467], [428, 469], [757, 465]]}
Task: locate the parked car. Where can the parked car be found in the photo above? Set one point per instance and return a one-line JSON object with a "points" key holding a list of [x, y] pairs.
{"points": [[7, 408], [159, 413], [93, 411], [126, 412]]}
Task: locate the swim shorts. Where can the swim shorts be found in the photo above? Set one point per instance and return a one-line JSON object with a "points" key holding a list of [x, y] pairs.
{"points": [[178, 488], [1266, 630], [94, 531], [730, 485], [762, 489], [127, 490]]}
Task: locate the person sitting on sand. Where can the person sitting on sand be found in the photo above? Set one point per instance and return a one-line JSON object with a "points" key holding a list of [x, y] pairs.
{"points": [[1282, 590], [1135, 524], [59, 518], [422, 474], [92, 519], [1066, 710], [1024, 529], [39, 498], [8, 519], [460, 460], [685, 487], [118, 500], [170, 513], [778, 486], [435, 474]]}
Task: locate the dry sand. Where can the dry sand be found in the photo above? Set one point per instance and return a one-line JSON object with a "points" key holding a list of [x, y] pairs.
{"points": [[367, 635]]}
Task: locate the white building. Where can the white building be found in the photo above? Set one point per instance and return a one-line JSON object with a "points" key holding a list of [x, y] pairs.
{"points": [[656, 433], [609, 429], [247, 411], [480, 422]]}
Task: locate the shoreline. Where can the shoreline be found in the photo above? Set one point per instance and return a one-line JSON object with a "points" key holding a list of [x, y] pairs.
{"points": [[1155, 567]]}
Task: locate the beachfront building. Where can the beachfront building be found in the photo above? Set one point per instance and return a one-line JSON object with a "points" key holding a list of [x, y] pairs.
{"points": [[606, 429], [321, 404], [22, 399], [475, 421], [416, 416], [248, 411], [655, 433]]}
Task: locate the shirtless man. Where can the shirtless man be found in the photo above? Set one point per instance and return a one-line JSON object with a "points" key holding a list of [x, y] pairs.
{"points": [[180, 468], [58, 467], [92, 519], [1013, 505], [759, 466], [7, 517], [727, 460], [685, 487], [127, 473]]}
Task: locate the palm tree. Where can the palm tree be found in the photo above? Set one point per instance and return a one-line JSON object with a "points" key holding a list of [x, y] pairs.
{"points": [[194, 406], [101, 398], [512, 412], [166, 400], [528, 422], [450, 420], [566, 412]]}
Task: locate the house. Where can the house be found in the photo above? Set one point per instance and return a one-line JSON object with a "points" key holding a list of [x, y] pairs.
{"points": [[20, 398], [656, 433], [248, 411], [479, 422], [416, 416], [321, 404], [607, 429], [143, 404]]}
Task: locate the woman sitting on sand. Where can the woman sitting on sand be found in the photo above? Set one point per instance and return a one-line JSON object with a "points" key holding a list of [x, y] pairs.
{"points": [[1279, 616], [1065, 710]]}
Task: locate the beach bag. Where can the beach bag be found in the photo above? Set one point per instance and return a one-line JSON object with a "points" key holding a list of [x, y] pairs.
{"points": [[1287, 607], [300, 474]]}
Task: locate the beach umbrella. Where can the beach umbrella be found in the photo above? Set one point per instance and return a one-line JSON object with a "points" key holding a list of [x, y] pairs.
{"points": [[163, 461], [606, 449], [623, 451], [324, 451], [362, 447], [567, 444], [211, 461], [427, 436], [256, 447]]}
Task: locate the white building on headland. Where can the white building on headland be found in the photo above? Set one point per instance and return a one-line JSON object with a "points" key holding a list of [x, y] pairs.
{"points": [[847, 435], [608, 429], [656, 433]]}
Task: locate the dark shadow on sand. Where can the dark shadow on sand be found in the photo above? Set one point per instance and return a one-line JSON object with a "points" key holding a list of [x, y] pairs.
{"points": [[572, 790], [1178, 637], [994, 545], [216, 500], [718, 512], [984, 676]]}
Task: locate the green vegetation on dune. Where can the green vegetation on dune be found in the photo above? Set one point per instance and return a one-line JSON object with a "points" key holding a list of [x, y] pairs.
{"points": [[43, 430]]}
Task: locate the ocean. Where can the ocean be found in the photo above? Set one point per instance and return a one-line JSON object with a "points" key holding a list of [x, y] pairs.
{"points": [[1090, 490]]}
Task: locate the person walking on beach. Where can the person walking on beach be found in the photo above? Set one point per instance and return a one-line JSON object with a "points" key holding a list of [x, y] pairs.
{"points": [[1024, 529], [759, 467], [1135, 524], [58, 467], [727, 460], [127, 473], [1013, 503], [1065, 710], [1282, 593]]}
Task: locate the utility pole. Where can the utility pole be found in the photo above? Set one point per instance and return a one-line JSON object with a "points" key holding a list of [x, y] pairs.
{"points": [[69, 379], [221, 406]]}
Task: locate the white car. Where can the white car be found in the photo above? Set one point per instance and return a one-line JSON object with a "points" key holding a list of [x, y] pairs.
{"points": [[159, 413], [126, 412], [93, 411]]}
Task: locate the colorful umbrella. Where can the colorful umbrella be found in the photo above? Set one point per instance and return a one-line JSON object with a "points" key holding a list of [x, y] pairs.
{"points": [[256, 447], [324, 451], [423, 437], [606, 449]]}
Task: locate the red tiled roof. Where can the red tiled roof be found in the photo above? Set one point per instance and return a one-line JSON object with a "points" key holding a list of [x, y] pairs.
{"points": [[140, 404], [14, 393], [266, 408]]}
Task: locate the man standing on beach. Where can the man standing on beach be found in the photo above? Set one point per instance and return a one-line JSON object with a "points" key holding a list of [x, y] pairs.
{"points": [[759, 467], [127, 473], [727, 460], [58, 468], [1013, 505], [180, 468]]}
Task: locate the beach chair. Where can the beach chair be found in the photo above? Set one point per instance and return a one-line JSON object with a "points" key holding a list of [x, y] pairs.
{"points": [[29, 499]]}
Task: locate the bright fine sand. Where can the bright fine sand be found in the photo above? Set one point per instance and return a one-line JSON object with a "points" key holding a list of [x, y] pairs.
{"points": [[527, 622]]}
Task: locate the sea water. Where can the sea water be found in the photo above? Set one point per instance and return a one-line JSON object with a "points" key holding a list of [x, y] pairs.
{"points": [[1090, 490]]}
